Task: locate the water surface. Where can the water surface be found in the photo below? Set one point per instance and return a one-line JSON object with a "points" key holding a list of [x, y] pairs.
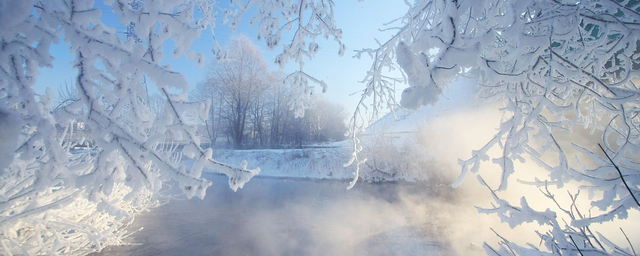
{"points": [[294, 217]]}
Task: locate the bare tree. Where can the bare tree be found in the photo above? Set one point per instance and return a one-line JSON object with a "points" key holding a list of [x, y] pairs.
{"points": [[157, 104], [307, 19], [271, 120], [239, 82], [67, 94], [326, 120], [280, 116], [214, 124], [257, 115]]}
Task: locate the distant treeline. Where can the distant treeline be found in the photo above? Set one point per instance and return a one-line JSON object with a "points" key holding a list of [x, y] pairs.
{"points": [[252, 107]]}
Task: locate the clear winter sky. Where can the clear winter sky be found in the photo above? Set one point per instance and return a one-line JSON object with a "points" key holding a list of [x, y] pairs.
{"points": [[359, 21]]}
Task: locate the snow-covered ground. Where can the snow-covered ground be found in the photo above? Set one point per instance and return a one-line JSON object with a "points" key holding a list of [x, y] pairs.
{"points": [[407, 146], [315, 163]]}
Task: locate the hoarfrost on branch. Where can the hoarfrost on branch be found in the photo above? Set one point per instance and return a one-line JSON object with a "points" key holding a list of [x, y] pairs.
{"points": [[559, 67], [58, 200]]}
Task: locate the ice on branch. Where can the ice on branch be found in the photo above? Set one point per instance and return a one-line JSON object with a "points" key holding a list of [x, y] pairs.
{"points": [[306, 20], [567, 74], [72, 174]]}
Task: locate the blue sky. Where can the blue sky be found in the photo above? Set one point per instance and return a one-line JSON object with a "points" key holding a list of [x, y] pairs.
{"points": [[359, 21]]}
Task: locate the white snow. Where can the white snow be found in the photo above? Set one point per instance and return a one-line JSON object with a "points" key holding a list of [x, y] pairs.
{"points": [[457, 96], [391, 144], [13, 13], [9, 131], [315, 163]]}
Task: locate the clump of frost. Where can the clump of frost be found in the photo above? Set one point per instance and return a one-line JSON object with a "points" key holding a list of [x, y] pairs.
{"points": [[422, 89], [566, 75], [9, 133]]}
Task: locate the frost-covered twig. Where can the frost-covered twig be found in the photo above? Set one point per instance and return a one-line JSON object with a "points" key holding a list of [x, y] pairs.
{"points": [[306, 20], [556, 66], [57, 200], [621, 176]]}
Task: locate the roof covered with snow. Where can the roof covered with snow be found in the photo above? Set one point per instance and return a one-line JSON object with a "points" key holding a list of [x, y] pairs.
{"points": [[460, 94]]}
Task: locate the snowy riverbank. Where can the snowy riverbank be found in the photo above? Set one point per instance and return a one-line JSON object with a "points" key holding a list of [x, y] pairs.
{"points": [[310, 163], [313, 163], [409, 146]]}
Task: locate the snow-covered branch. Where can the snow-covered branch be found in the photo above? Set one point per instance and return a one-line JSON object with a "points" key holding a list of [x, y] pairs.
{"points": [[303, 21], [559, 68], [73, 174]]}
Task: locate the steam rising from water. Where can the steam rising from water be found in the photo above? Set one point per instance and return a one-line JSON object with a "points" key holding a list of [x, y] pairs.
{"points": [[303, 217], [307, 217]]}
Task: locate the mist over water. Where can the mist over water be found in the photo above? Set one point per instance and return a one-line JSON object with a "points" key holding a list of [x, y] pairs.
{"points": [[320, 217], [307, 217], [310, 217]]}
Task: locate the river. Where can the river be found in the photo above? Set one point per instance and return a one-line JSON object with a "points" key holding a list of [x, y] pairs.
{"points": [[272, 216]]}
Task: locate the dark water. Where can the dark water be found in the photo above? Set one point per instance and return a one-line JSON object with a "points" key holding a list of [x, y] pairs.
{"points": [[291, 217]]}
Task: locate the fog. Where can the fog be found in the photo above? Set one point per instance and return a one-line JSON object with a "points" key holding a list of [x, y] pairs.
{"points": [[311, 217], [307, 217]]}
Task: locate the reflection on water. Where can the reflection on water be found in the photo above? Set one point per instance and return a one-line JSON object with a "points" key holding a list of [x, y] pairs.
{"points": [[298, 217]]}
